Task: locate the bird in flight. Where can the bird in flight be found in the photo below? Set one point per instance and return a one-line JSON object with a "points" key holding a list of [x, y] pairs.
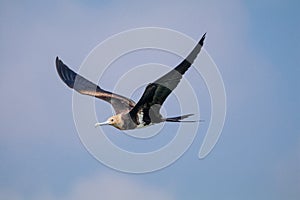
{"points": [[128, 114]]}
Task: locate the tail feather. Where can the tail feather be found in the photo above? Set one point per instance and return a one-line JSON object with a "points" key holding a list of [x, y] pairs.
{"points": [[179, 118]]}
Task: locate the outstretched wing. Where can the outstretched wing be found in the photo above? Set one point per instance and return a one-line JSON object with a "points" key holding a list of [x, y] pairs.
{"points": [[156, 93], [84, 86]]}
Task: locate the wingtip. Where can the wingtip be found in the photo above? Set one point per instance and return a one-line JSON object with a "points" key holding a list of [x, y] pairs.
{"points": [[202, 39], [57, 60], [59, 63], [65, 73]]}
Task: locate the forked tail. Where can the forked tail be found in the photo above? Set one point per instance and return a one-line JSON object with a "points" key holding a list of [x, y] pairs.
{"points": [[179, 118]]}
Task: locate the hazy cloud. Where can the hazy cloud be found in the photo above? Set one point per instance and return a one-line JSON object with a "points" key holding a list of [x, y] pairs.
{"points": [[111, 187]]}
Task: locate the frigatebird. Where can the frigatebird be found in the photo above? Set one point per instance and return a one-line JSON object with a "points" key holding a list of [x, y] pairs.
{"points": [[128, 114]]}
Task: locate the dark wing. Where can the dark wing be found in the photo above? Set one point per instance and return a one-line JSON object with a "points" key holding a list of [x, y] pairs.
{"points": [[84, 86], [156, 93]]}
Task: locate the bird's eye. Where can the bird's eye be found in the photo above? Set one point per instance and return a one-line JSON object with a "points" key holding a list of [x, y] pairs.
{"points": [[111, 120]]}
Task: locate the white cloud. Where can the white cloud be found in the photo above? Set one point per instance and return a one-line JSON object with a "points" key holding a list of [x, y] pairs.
{"points": [[112, 187], [99, 186]]}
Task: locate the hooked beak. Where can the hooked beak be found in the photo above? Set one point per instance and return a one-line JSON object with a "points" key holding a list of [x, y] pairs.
{"points": [[101, 124]]}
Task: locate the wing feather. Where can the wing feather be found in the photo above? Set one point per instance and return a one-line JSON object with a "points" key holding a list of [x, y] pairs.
{"points": [[86, 87], [157, 92]]}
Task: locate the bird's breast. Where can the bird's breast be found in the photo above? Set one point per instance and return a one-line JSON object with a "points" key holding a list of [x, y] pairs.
{"points": [[141, 120], [140, 116]]}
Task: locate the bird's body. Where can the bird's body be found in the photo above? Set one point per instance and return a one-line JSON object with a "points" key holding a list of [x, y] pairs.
{"points": [[131, 115]]}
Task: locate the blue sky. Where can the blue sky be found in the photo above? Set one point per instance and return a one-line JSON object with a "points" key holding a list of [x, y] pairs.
{"points": [[255, 46]]}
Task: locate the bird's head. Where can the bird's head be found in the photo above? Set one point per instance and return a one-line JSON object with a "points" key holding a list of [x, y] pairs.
{"points": [[115, 121]]}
